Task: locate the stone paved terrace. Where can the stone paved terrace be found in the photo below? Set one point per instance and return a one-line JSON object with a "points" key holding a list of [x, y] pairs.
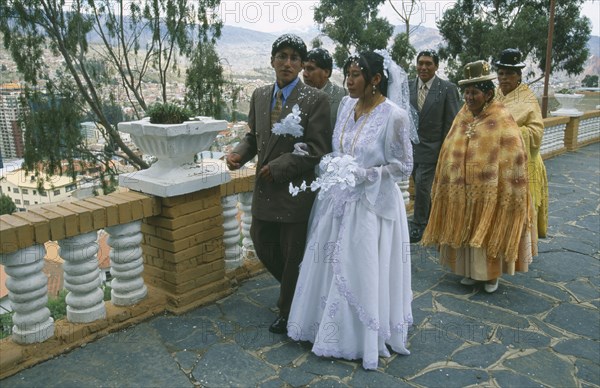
{"points": [[540, 329]]}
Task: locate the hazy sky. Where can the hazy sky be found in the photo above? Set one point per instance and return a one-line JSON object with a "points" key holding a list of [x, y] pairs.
{"points": [[280, 16]]}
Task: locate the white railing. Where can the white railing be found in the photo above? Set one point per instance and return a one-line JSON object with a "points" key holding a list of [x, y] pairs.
{"points": [[231, 236], [28, 285], [589, 128], [126, 263], [28, 294], [237, 218], [85, 300], [248, 251], [553, 138]]}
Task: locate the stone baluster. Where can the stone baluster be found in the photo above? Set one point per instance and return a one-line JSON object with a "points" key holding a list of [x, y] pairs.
{"points": [[589, 129], [231, 235], [85, 301], [403, 185], [553, 139], [545, 146], [126, 263], [557, 137], [248, 251], [28, 294]]}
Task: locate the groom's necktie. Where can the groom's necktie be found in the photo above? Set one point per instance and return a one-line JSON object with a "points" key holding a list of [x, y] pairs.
{"points": [[276, 112], [422, 96]]}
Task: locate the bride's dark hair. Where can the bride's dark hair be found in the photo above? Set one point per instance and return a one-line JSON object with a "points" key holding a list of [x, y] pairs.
{"points": [[370, 63]]}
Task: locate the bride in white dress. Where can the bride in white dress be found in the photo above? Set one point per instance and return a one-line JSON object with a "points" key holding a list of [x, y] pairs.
{"points": [[353, 295]]}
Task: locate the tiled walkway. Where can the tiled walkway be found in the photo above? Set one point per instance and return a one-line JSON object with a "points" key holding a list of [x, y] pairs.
{"points": [[541, 328]]}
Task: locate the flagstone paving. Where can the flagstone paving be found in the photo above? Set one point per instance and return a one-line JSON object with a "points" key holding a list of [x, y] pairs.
{"points": [[539, 329]]}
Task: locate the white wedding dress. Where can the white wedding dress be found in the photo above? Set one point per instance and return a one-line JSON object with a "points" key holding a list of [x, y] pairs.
{"points": [[353, 294]]}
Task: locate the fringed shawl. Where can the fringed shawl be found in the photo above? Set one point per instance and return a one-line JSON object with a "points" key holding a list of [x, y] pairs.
{"points": [[480, 195], [525, 109]]}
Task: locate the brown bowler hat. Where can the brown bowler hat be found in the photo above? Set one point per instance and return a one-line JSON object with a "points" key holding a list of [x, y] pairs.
{"points": [[476, 72]]}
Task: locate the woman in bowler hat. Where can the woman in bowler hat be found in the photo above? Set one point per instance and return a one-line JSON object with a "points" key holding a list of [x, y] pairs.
{"points": [[525, 109], [480, 210]]}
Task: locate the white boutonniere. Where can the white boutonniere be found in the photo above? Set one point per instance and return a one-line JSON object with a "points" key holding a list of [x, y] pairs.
{"points": [[290, 125], [335, 171]]}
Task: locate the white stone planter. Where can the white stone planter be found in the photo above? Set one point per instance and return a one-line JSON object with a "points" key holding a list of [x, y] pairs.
{"points": [[568, 105], [174, 145]]}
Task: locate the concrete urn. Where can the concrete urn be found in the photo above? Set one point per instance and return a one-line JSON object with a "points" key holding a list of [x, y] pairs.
{"points": [[568, 105], [174, 145]]}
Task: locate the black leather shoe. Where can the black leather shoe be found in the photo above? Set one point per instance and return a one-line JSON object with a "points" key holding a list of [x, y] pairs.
{"points": [[279, 326], [415, 235]]}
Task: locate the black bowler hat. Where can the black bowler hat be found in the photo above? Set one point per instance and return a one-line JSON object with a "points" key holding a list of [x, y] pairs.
{"points": [[510, 58]]}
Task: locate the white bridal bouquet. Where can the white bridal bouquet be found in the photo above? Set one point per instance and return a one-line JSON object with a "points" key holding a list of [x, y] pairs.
{"points": [[290, 125], [335, 171]]}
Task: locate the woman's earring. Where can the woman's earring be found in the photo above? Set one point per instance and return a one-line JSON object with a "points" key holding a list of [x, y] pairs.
{"points": [[374, 89]]}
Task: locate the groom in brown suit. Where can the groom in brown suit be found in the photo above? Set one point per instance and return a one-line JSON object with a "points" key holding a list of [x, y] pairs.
{"points": [[279, 220]]}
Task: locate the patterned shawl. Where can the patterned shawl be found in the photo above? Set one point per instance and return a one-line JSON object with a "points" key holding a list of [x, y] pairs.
{"points": [[523, 106], [480, 195]]}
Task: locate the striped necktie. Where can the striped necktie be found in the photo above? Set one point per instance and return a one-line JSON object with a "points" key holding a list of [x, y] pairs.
{"points": [[422, 96], [276, 111]]}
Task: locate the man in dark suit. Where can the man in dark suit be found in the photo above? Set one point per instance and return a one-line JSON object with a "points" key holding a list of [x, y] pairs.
{"points": [[279, 220], [317, 71], [437, 102]]}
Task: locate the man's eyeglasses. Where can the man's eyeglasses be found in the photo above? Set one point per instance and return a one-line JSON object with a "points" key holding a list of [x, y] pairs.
{"points": [[283, 58]]}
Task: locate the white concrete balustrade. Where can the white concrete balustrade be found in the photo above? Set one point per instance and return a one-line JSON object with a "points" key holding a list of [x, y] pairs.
{"points": [[231, 235], [245, 206], [553, 138], [403, 185], [27, 283], [28, 294], [589, 129], [126, 263], [85, 300]]}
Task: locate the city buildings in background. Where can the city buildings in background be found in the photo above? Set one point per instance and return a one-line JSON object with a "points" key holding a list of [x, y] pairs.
{"points": [[22, 188], [11, 133]]}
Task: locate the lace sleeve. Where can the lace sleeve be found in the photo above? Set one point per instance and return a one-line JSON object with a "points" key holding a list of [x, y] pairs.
{"points": [[398, 161], [397, 149], [398, 146]]}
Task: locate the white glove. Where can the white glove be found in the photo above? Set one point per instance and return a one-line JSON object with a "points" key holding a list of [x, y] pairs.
{"points": [[300, 149], [360, 175]]}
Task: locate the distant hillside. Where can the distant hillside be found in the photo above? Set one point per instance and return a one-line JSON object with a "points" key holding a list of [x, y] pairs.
{"points": [[594, 45], [247, 51]]}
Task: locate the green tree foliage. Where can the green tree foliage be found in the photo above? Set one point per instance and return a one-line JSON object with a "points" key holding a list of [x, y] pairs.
{"points": [[7, 206], [53, 131], [316, 42], [481, 29], [402, 51], [590, 81], [354, 26], [205, 82], [235, 114], [137, 40]]}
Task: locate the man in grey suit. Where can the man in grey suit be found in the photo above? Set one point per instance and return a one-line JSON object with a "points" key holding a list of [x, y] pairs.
{"points": [[279, 220], [437, 102], [317, 71]]}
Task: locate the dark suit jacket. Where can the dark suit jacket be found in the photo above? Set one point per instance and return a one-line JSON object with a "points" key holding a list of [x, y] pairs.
{"points": [[272, 201], [435, 119]]}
